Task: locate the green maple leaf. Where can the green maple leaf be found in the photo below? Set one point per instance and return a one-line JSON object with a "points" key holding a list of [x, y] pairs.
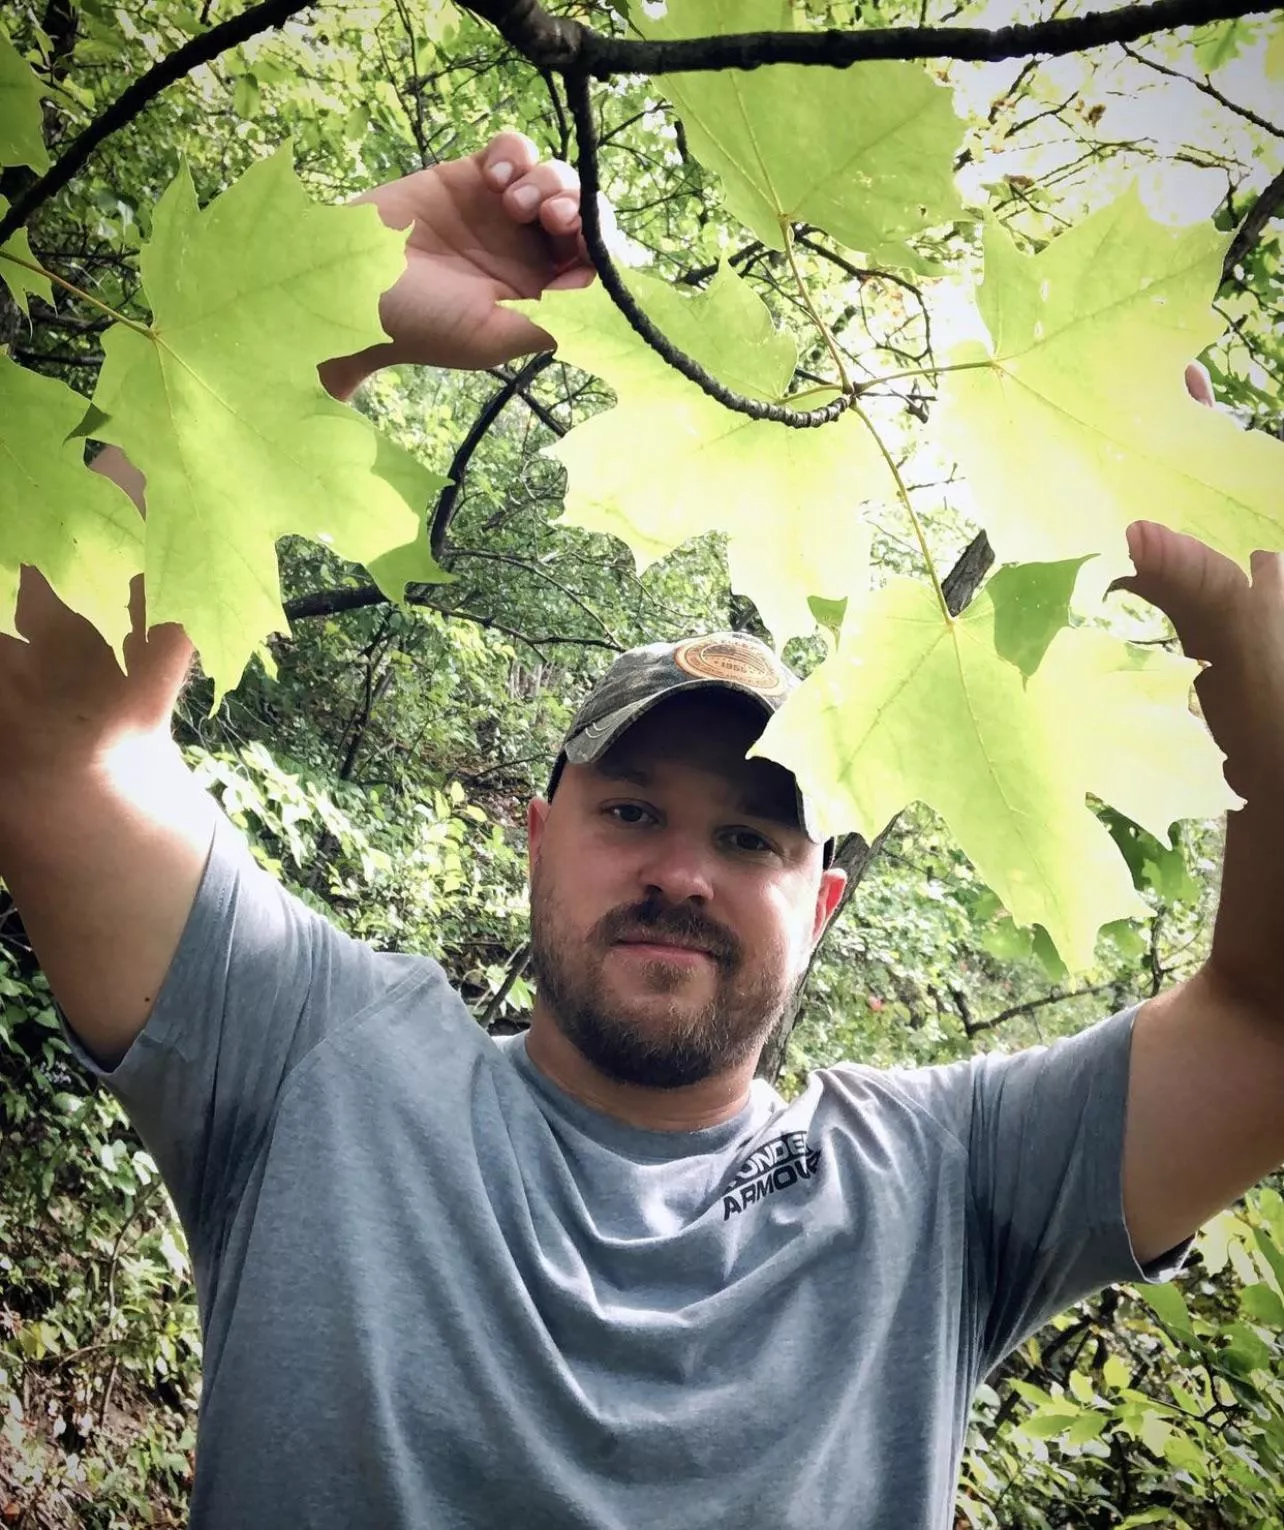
{"points": [[1077, 421], [21, 282], [1217, 45], [219, 406], [77, 527], [21, 139], [915, 708], [866, 153], [668, 463]]}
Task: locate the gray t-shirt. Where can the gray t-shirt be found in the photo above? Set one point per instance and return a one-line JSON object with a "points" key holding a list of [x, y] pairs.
{"points": [[438, 1293]]}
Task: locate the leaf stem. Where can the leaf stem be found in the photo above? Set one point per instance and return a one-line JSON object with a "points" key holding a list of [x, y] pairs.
{"points": [[903, 492], [845, 382], [953, 366], [85, 297]]}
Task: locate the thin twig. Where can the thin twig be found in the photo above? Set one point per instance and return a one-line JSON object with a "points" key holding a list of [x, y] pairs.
{"points": [[534, 568], [1206, 87], [1057, 996], [334, 602], [491, 410], [541, 412], [123, 110], [577, 91], [518, 964]]}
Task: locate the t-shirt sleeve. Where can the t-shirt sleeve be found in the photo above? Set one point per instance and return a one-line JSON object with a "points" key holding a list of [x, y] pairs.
{"points": [[257, 981], [1045, 1163]]}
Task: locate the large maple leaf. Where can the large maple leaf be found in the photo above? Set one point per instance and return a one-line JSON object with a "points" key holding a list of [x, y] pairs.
{"points": [[913, 707], [1077, 421], [866, 153], [77, 527], [668, 463], [219, 406]]}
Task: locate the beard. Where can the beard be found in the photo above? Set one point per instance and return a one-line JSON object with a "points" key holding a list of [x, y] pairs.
{"points": [[669, 1040]]}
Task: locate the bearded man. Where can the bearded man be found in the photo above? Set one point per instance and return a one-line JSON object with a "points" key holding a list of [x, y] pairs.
{"points": [[597, 1276]]}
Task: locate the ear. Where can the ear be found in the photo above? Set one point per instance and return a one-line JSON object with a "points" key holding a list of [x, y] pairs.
{"points": [[828, 896], [536, 818]]}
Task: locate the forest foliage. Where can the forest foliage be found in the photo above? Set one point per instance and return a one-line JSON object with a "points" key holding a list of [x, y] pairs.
{"points": [[992, 276]]}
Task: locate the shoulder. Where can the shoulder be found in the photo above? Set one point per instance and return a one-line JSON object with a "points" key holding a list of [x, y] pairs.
{"points": [[930, 1104]]}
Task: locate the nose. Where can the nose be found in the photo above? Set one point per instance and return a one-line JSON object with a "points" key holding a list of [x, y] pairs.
{"points": [[677, 868]]}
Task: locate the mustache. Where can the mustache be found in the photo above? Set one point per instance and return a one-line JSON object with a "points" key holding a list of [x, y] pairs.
{"points": [[654, 917]]}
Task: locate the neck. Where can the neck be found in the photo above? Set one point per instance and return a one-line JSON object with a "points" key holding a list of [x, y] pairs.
{"points": [[686, 1109]]}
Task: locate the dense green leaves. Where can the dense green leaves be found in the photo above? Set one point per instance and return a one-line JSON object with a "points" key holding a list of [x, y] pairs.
{"points": [[866, 154], [788, 500], [219, 406]]}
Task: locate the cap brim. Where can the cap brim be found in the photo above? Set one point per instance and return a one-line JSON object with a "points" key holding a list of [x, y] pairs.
{"points": [[592, 742]]}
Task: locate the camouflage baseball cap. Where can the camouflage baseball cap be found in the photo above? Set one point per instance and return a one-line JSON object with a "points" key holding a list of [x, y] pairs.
{"points": [[640, 678]]}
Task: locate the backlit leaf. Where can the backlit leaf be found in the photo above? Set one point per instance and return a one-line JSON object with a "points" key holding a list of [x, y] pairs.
{"points": [[219, 406], [1169, 1305], [1009, 763], [880, 138], [668, 463], [1077, 422], [77, 527], [1116, 1373]]}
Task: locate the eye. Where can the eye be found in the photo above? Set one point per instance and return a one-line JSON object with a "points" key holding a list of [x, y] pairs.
{"points": [[629, 814], [748, 842]]}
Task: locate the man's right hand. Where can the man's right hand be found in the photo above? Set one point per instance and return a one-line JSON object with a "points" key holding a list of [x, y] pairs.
{"points": [[497, 225]]}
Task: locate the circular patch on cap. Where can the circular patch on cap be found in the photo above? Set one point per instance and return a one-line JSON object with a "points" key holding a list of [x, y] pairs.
{"points": [[741, 663]]}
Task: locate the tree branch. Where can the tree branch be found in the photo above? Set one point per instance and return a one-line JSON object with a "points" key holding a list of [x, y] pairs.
{"points": [[491, 410], [551, 42], [1250, 230], [577, 91], [1207, 88], [974, 1027], [358, 597], [540, 411], [123, 110]]}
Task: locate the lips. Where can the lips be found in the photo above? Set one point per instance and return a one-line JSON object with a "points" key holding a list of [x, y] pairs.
{"points": [[653, 944], [666, 944]]}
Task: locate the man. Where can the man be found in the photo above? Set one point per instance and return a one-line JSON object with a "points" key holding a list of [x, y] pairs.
{"points": [[598, 1276]]}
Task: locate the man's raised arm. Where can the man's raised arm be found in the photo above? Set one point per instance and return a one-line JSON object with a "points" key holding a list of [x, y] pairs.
{"points": [[103, 830]]}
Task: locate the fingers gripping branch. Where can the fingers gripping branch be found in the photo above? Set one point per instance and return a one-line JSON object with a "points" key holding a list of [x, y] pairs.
{"points": [[577, 92]]}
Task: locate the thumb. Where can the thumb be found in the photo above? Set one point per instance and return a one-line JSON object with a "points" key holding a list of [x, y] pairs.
{"points": [[1199, 385]]}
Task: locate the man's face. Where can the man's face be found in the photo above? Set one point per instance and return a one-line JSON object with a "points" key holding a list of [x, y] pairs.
{"points": [[674, 898]]}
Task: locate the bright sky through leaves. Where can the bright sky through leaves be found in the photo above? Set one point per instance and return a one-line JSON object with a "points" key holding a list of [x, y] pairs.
{"points": [[668, 463], [865, 153], [1081, 423], [77, 527], [220, 408], [915, 708]]}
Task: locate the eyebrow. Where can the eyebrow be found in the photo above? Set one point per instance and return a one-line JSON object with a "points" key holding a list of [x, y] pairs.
{"points": [[754, 806]]}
